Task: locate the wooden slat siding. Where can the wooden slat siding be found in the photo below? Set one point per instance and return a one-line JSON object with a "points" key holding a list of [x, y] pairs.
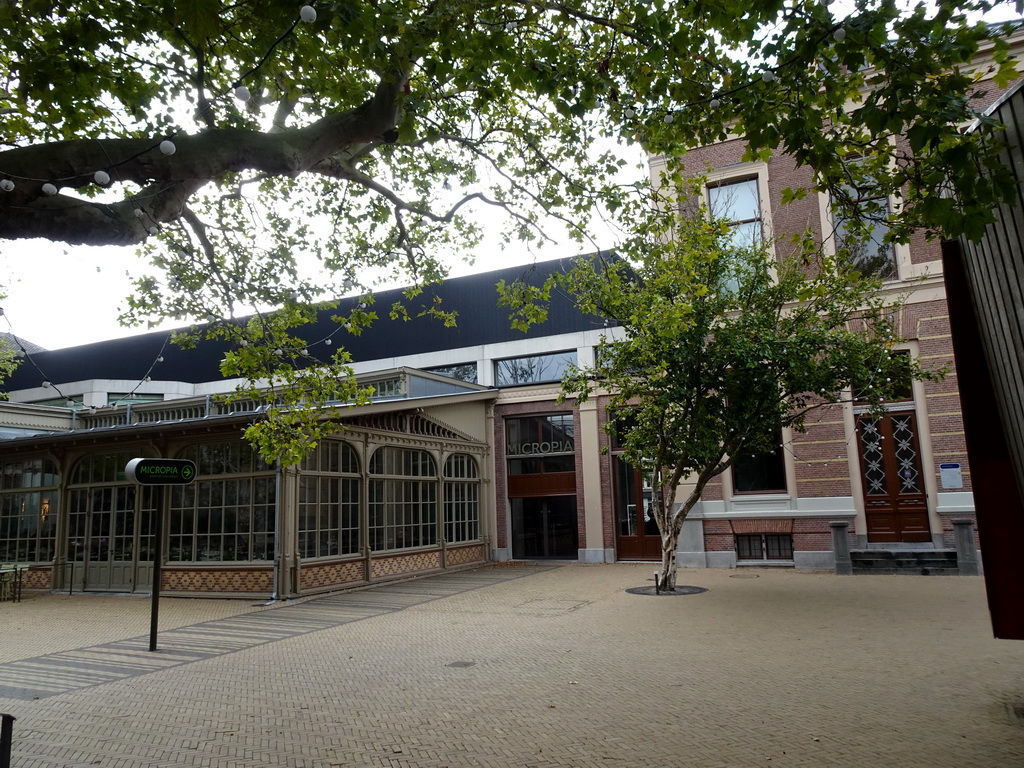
{"points": [[995, 272]]}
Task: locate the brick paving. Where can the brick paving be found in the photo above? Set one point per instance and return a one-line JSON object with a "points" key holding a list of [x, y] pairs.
{"points": [[526, 667]]}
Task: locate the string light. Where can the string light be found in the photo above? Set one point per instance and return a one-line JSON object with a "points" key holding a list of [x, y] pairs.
{"points": [[49, 189], [307, 13], [167, 147], [102, 178], [7, 185], [839, 35], [242, 93]]}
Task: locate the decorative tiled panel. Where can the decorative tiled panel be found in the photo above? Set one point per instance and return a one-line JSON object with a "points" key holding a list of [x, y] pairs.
{"points": [[412, 563], [37, 579], [240, 581], [331, 574], [464, 555]]}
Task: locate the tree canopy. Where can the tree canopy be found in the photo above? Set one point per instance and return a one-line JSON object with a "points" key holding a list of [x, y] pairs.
{"points": [[235, 142], [718, 348]]}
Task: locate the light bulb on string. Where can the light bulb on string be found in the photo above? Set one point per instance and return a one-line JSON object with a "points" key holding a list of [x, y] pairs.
{"points": [[139, 212], [628, 112], [307, 13], [101, 177], [715, 103], [49, 189], [242, 93], [839, 35], [669, 118], [7, 185], [768, 76], [167, 147], [154, 230]]}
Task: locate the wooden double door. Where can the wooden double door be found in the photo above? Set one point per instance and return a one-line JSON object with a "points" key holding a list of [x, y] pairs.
{"points": [[895, 501]]}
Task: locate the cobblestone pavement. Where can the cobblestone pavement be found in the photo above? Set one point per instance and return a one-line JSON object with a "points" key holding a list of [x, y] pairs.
{"points": [[523, 666]]}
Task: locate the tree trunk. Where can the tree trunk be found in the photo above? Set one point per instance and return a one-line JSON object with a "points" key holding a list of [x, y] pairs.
{"points": [[667, 577]]}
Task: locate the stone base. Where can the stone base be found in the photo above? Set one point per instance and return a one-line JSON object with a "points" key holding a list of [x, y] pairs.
{"points": [[814, 561], [721, 559], [597, 555]]}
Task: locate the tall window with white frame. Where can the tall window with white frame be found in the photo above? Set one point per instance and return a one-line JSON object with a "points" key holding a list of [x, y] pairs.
{"points": [[738, 202], [861, 229]]}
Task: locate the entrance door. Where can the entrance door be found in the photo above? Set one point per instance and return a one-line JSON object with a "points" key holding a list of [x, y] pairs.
{"points": [[103, 540], [894, 494], [543, 527], [637, 536]]}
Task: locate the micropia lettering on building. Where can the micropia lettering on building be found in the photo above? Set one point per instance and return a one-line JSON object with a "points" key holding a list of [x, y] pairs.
{"points": [[548, 446]]}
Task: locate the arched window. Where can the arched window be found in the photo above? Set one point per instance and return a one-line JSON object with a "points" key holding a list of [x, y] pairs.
{"points": [[329, 483], [461, 499], [104, 529], [403, 499], [227, 515], [28, 511]]}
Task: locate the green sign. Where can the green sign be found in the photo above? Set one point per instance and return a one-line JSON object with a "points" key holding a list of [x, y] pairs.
{"points": [[160, 471]]}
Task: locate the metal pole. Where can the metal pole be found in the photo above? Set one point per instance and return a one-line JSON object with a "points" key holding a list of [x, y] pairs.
{"points": [[158, 556], [6, 738]]}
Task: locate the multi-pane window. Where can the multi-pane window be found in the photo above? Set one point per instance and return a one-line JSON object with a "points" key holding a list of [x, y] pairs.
{"points": [[402, 499], [227, 515], [28, 511], [532, 369], [460, 371], [764, 546], [540, 435], [739, 204], [329, 485], [461, 499], [862, 248]]}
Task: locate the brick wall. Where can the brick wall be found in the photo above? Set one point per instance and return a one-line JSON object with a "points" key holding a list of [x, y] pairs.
{"points": [[809, 534], [948, 535]]}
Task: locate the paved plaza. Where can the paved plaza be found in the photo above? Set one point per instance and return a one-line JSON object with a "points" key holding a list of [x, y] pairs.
{"points": [[523, 666]]}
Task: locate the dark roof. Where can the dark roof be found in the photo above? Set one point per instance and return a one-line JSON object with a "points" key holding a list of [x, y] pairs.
{"points": [[19, 343], [473, 297]]}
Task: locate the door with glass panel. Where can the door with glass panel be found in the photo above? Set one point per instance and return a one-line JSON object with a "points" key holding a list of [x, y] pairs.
{"points": [[110, 546], [895, 503], [637, 536]]}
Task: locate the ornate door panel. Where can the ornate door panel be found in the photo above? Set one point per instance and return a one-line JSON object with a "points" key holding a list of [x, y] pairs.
{"points": [[894, 495]]}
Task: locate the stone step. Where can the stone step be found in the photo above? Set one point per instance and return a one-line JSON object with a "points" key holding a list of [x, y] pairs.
{"points": [[931, 562]]}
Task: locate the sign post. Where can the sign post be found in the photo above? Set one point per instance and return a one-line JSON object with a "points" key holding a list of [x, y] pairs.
{"points": [[159, 472]]}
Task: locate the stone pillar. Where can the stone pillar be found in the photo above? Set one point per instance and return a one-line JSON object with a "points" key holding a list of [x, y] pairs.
{"points": [[841, 547], [966, 551]]}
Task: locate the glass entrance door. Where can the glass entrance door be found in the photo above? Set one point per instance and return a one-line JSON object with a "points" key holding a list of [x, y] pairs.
{"points": [[544, 527], [637, 535]]}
